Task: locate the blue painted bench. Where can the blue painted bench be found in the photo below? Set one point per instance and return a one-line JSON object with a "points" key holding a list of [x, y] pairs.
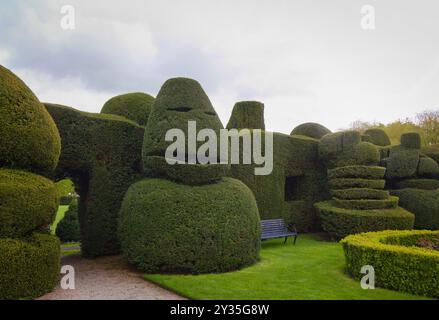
{"points": [[276, 228]]}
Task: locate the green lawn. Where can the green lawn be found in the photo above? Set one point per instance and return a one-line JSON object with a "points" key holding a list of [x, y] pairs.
{"points": [[59, 215], [313, 269]]}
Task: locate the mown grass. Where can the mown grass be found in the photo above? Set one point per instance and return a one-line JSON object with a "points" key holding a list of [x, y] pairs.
{"points": [[313, 269], [59, 216]]}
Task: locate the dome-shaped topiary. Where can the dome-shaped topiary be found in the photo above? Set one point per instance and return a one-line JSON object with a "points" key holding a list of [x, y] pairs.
{"points": [[179, 101], [27, 202], [29, 138], [134, 106], [67, 229], [247, 115], [378, 137], [311, 129], [170, 227]]}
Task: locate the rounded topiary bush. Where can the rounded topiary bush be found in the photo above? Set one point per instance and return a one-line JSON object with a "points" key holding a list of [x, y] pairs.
{"points": [[363, 153], [176, 228], [424, 204], [378, 137], [29, 267], [27, 202], [134, 106], [427, 167], [29, 137], [402, 162], [247, 115], [67, 229], [311, 129]]}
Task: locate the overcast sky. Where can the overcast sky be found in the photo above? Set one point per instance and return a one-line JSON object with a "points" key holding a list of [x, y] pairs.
{"points": [[306, 60]]}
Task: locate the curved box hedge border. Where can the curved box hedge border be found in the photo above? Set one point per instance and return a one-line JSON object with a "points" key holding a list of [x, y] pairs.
{"points": [[398, 263]]}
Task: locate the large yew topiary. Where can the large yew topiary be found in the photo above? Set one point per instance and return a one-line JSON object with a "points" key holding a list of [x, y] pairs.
{"points": [[134, 106], [378, 137], [311, 129], [29, 139], [247, 115], [176, 228], [67, 229]]}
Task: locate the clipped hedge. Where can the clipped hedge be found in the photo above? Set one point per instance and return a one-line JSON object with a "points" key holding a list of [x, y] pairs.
{"points": [[340, 222], [135, 106], [29, 267], [367, 204], [425, 184], [424, 204], [346, 183], [29, 137], [427, 167], [378, 137], [364, 153], [331, 145], [397, 267], [27, 202], [360, 193], [362, 172], [411, 140], [432, 152], [102, 155], [176, 228], [402, 162], [311, 129], [247, 115], [67, 229]]}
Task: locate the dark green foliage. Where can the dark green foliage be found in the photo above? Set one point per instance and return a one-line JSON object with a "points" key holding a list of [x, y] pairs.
{"points": [[339, 222], [427, 167], [27, 202], [134, 106], [295, 183], [176, 228], [366, 138], [363, 172], [67, 229], [367, 204], [102, 155], [191, 174], [247, 115], [311, 129], [364, 153], [29, 139], [424, 204], [360, 193], [432, 152], [425, 184], [411, 140], [402, 162], [29, 267], [378, 137], [331, 145], [346, 183], [400, 265]]}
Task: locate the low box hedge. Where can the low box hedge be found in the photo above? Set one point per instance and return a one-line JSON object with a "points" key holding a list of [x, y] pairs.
{"points": [[425, 184], [360, 193], [340, 222], [367, 204], [397, 263], [363, 172], [346, 183]]}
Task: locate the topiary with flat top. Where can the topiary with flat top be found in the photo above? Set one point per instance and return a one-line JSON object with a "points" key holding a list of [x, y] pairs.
{"points": [[411, 140], [133, 106], [247, 115], [311, 129], [29, 139], [378, 137], [175, 228]]}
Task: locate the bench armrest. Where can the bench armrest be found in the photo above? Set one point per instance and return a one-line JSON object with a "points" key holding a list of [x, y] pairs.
{"points": [[292, 227]]}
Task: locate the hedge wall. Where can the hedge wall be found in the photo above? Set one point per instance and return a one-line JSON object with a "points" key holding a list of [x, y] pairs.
{"points": [[29, 138], [134, 106], [378, 137], [425, 184], [27, 202], [169, 227], [340, 222], [247, 115], [29, 267], [424, 204], [311, 129], [67, 229], [102, 155], [397, 267]]}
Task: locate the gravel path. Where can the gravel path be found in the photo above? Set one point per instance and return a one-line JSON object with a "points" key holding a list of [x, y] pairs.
{"points": [[107, 278]]}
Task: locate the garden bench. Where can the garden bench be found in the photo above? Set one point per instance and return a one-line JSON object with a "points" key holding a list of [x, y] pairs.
{"points": [[276, 228]]}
